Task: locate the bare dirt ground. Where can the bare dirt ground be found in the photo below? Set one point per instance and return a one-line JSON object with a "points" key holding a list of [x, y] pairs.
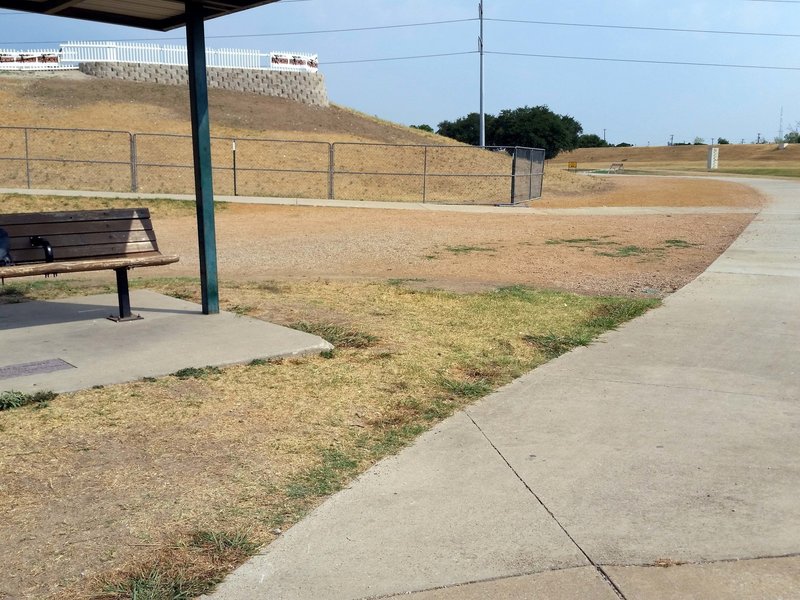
{"points": [[649, 255]]}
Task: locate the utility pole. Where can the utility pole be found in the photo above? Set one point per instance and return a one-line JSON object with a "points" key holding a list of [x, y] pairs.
{"points": [[672, 140], [480, 49], [604, 134]]}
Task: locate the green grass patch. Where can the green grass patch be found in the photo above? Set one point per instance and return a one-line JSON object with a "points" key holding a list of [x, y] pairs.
{"points": [[156, 584], [581, 243], [341, 337], [14, 399], [606, 316], [189, 569], [324, 479], [405, 280], [625, 252], [197, 372], [679, 244], [466, 389], [468, 249], [612, 313], [221, 541], [552, 345]]}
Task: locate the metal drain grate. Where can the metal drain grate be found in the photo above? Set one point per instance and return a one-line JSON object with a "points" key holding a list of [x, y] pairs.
{"points": [[34, 368]]}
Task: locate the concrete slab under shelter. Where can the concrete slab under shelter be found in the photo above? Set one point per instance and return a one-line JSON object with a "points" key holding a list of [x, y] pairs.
{"points": [[69, 344]]}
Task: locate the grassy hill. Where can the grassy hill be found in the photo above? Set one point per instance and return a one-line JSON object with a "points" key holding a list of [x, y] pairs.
{"points": [[74, 100], [755, 159]]}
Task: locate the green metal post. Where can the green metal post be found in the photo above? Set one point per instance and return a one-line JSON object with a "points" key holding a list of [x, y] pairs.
{"points": [[201, 142]]}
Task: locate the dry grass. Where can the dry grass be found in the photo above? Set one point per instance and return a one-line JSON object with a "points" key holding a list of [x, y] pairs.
{"points": [[265, 168], [105, 485], [766, 159], [158, 208]]}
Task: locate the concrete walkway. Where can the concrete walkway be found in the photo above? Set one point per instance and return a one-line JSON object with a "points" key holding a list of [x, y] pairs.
{"points": [[69, 344], [672, 441], [399, 205]]}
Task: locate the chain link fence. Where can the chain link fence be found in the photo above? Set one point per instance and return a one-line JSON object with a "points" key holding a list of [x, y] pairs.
{"points": [[160, 163]]}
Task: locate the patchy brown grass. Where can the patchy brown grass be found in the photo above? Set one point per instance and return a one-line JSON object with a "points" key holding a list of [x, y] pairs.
{"points": [[102, 486], [765, 159]]}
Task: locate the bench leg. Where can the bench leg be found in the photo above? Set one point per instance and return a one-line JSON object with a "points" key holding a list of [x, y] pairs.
{"points": [[124, 297]]}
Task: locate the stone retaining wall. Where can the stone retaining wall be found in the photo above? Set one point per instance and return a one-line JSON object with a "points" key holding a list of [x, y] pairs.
{"points": [[308, 88]]}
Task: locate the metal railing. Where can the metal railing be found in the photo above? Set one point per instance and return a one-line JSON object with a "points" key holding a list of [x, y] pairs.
{"points": [[161, 54], [71, 54], [107, 160]]}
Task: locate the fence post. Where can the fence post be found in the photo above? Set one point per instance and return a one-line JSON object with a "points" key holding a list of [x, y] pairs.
{"points": [[514, 178], [530, 178], [331, 167], [233, 149], [27, 160], [425, 176], [134, 170]]}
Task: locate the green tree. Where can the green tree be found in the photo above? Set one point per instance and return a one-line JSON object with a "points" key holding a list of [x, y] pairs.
{"points": [[467, 129], [722, 141], [624, 145], [533, 127], [592, 140], [536, 127], [793, 137], [423, 127]]}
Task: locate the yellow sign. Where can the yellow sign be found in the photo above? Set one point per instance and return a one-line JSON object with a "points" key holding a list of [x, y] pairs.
{"points": [[572, 165]]}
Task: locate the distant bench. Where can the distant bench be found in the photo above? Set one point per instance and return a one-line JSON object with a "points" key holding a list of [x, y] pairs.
{"points": [[49, 243], [616, 167]]}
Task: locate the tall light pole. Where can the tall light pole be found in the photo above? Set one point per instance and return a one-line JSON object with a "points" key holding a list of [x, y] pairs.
{"points": [[480, 50]]}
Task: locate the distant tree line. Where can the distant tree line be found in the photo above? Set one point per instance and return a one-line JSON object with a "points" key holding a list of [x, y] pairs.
{"points": [[529, 126]]}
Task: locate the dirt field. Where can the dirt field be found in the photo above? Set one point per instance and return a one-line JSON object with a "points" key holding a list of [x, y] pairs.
{"points": [[649, 255], [589, 254]]}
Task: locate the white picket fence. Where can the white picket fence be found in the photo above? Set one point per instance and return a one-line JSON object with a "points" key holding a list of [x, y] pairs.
{"points": [[69, 55]]}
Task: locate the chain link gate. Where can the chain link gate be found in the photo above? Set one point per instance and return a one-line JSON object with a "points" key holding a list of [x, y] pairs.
{"points": [[528, 174]]}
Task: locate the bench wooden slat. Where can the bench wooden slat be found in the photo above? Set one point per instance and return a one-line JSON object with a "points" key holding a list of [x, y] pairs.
{"points": [[153, 259], [75, 215], [47, 229], [85, 252], [86, 239]]}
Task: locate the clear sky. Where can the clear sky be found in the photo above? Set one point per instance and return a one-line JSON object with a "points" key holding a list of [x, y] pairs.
{"points": [[639, 103]]}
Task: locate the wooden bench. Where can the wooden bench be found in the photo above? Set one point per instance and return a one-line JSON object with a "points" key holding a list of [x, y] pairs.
{"points": [[616, 167], [50, 243]]}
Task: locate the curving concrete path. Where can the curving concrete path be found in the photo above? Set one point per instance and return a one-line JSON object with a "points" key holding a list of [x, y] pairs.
{"points": [[672, 441]]}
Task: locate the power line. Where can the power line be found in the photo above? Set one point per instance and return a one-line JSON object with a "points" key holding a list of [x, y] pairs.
{"points": [[274, 34], [369, 60], [642, 28], [649, 62]]}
